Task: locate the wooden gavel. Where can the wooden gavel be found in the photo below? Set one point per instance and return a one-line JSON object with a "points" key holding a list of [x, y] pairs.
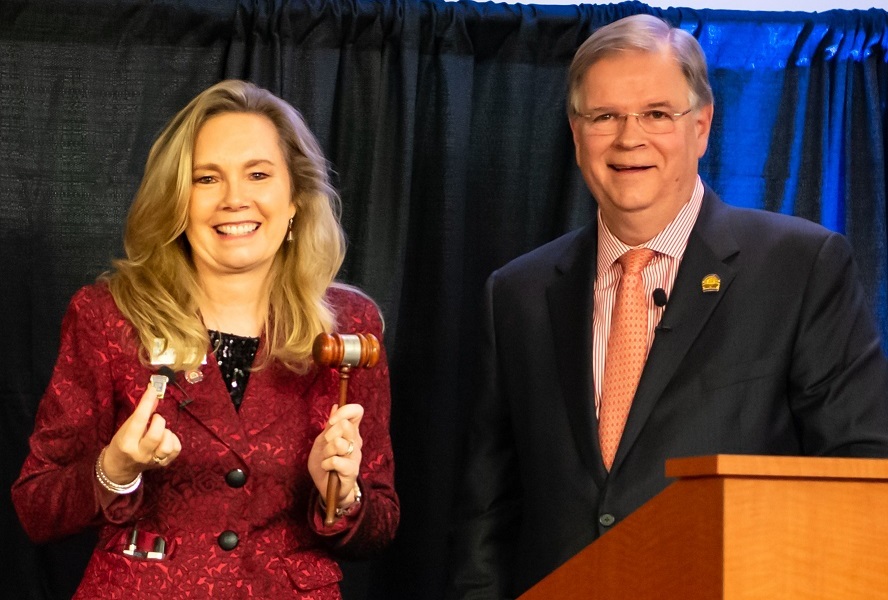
{"points": [[343, 352]]}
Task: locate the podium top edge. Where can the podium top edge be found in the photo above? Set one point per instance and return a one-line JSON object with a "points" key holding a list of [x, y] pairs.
{"points": [[738, 465]]}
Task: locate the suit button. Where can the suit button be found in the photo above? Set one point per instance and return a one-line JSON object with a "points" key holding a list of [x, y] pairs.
{"points": [[228, 540], [236, 478], [607, 519]]}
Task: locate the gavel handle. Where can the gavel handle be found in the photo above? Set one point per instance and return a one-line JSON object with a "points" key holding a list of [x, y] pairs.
{"points": [[333, 482]]}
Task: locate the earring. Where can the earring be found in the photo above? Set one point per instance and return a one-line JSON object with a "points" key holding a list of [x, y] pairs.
{"points": [[290, 230]]}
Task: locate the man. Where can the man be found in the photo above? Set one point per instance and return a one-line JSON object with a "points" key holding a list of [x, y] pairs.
{"points": [[751, 333]]}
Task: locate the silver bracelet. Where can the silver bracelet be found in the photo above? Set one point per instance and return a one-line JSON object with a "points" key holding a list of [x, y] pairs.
{"points": [[342, 512], [109, 485]]}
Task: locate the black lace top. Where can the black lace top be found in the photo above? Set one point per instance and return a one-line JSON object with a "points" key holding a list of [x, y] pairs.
{"points": [[235, 355]]}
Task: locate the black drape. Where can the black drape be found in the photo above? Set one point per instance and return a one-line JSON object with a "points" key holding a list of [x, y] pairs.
{"points": [[446, 127]]}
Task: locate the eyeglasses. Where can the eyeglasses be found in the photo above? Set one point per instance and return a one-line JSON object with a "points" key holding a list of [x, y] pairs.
{"points": [[651, 121]]}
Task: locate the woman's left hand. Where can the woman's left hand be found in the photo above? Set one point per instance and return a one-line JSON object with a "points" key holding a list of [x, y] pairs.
{"points": [[338, 449]]}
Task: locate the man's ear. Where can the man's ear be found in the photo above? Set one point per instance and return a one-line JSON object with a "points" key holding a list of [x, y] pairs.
{"points": [[576, 127], [702, 127]]}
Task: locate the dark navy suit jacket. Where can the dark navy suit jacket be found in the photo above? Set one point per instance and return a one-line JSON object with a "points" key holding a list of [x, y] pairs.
{"points": [[783, 359]]}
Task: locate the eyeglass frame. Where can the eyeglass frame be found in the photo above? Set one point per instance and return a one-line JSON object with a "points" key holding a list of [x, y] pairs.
{"points": [[673, 117]]}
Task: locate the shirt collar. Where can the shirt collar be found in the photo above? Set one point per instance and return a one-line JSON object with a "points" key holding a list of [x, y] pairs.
{"points": [[671, 241]]}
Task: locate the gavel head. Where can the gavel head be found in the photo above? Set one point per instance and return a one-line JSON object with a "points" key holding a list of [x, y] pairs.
{"points": [[353, 350]]}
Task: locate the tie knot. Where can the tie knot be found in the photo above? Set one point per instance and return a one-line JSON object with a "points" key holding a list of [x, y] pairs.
{"points": [[635, 260]]}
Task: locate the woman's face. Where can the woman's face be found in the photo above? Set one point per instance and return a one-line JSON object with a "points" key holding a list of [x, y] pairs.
{"points": [[240, 204]]}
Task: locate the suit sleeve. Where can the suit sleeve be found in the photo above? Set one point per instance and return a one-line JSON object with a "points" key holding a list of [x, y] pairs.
{"points": [[490, 503], [56, 493], [373, 526], [839, 377]]}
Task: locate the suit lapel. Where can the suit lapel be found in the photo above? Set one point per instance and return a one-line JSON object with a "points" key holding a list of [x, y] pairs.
{"points": [[211, 406], [570, 299], [710, 246]]}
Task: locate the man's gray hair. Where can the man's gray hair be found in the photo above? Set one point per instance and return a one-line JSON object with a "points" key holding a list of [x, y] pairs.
{"points": [[645, 33]]}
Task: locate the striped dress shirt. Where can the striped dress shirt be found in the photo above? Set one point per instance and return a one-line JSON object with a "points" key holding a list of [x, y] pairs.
{"points": [[669, 246]]}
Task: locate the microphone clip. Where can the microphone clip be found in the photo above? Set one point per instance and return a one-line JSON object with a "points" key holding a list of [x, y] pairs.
{"points": [[159, 383], [166, 374]]}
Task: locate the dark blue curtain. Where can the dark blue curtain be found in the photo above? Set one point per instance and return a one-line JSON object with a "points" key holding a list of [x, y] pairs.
{"points": [[446, 127]]}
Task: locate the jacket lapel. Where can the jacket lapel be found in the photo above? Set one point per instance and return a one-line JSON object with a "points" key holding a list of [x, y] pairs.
{"points": [[210, 405], [710, 246], [570, 299]]}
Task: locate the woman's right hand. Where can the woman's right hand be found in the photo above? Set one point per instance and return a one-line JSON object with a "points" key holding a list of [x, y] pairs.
{"points": [[142, 442]]}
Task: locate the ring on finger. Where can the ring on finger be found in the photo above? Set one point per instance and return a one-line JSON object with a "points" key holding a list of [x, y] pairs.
{"points": [[351, 448], [158, 460]]}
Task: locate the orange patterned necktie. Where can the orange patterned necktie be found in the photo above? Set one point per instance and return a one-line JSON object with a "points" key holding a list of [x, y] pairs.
{"points": [[626, 352]]}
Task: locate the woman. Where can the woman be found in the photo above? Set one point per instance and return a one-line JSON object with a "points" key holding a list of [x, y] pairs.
{"points": [[213, 487]]}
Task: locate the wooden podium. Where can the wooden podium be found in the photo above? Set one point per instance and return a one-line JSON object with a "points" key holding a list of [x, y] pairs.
{"points": [[743, 527]]}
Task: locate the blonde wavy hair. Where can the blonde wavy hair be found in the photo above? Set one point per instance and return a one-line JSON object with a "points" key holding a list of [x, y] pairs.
{"points": [[156, 286]]}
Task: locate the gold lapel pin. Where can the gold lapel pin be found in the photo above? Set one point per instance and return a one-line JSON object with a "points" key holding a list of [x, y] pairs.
{"points": [[711, 283]]}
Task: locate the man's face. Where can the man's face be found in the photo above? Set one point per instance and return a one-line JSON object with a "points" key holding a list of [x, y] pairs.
{"points": [[640, 179]]}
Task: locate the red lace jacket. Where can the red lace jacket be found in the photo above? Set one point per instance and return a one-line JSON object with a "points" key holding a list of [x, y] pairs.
{"points": [[237, 511]]}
